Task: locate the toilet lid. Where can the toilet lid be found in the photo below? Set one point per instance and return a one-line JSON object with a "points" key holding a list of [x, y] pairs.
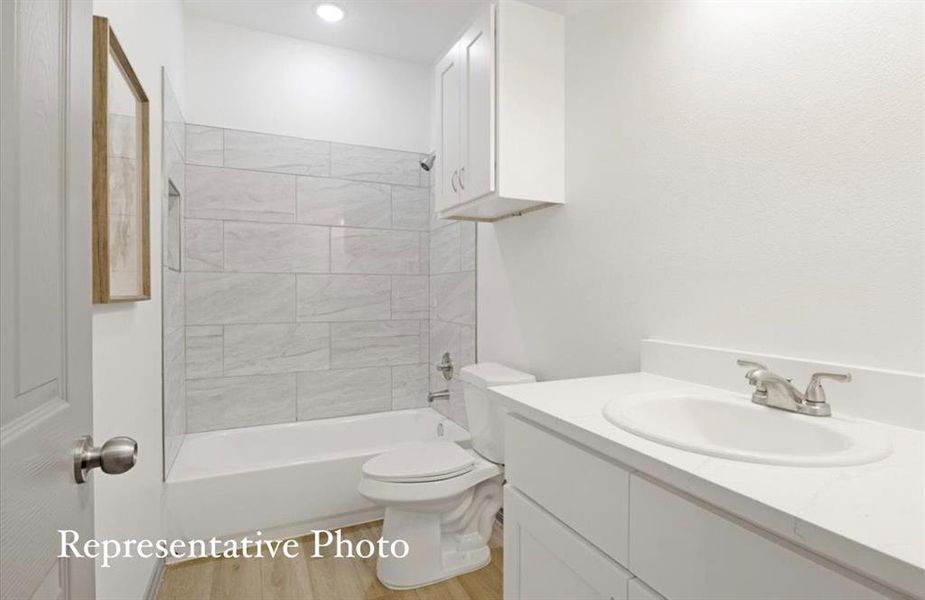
{"points": [[419, 462]]}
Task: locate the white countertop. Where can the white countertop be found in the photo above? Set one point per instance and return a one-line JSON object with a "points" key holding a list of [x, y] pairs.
{"points": [[869, 518]]}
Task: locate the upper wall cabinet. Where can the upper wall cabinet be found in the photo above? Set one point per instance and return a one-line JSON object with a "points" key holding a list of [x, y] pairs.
{"points": [[501, 102]]}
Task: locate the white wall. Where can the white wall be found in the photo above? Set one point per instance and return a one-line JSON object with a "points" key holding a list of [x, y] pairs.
{"points": [[238, 78], [744, 175], [127, 337]]}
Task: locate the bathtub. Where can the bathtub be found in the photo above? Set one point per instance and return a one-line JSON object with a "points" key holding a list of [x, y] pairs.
{"points": [[287, 479]]}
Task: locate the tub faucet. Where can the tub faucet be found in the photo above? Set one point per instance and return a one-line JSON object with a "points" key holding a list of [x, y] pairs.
{"points": [[778, 392], [441, 395]]}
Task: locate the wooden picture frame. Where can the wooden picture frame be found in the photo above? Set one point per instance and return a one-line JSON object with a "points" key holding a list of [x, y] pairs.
{"points": [[121, 181]]}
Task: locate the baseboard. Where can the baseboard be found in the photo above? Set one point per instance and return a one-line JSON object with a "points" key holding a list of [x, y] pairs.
{"points": [[154, 583]]}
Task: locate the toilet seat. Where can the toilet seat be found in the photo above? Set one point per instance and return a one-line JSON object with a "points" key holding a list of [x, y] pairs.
{"points": [[420, 463]]}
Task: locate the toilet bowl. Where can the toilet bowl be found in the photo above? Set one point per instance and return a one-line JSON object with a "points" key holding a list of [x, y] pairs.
{"points": [[441, 498]]}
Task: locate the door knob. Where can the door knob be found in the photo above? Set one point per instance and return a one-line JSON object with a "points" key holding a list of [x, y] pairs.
{"points": [[116, 456]]}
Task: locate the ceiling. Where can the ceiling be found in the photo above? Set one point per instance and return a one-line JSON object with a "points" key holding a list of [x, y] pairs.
{"points": [[415, 30]]}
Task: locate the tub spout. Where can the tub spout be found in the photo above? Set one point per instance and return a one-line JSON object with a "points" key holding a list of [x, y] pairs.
{"points": [[441, 395]]}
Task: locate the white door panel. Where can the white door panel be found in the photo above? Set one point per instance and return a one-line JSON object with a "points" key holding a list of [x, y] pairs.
{"points": [[44, 293]]}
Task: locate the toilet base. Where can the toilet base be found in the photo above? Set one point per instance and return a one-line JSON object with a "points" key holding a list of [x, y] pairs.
{"points": [[467, 566], [444, 544]]}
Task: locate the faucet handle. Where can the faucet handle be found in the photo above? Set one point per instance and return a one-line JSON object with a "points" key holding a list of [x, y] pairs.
{"points": [[753, 367], [815, 393], [751, 364]]}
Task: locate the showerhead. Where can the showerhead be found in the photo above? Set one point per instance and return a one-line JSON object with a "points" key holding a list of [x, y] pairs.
{"points": [[428, 163]]}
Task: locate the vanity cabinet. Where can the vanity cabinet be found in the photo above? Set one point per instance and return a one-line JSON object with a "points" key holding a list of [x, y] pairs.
{"points": [[501, 111], [544, 559], [580, 525]]}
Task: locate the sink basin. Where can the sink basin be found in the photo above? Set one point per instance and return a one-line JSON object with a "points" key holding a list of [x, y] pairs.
{"points": [[732, 427]]}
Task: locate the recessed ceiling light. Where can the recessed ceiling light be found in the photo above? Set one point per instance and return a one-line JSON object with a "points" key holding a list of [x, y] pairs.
{"points": [[330, 12]]}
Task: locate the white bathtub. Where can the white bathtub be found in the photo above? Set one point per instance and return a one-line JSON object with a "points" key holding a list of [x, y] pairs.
{"points": [[287, 479]]}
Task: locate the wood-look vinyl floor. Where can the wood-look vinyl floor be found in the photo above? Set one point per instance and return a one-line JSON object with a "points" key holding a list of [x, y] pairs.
{"points": [[328, 578]]}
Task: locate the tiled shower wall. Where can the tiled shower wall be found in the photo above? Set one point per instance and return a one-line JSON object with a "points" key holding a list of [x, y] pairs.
{"points": [[172, 277], [306, 271], [452, 306]]}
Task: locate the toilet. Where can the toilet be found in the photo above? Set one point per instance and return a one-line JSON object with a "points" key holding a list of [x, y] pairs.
{"points": [[442, 498]]}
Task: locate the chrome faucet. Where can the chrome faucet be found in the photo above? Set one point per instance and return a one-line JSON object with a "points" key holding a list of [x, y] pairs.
{"points": [[445, 366], [441, 395], [778, 392]]}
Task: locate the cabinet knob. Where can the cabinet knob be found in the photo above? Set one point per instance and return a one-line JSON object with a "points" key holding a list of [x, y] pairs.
{"points": [[453, 181], [462, 184]]}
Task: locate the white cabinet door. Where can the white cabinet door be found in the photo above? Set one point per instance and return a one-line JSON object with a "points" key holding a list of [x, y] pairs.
{"points": [[448, 79], [544, 559], [477, 56]]}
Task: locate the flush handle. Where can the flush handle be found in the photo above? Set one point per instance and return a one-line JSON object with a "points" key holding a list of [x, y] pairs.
{"points": [[116, 456]]}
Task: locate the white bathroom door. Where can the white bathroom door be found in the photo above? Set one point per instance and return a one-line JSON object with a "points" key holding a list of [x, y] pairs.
{"points": [[45, 334]]}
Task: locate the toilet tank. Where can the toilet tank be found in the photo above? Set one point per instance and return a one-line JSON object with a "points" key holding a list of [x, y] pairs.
{"points": [[485, 413]]}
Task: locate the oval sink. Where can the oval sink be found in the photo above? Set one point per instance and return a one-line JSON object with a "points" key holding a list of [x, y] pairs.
{"points": [[734, 428]]}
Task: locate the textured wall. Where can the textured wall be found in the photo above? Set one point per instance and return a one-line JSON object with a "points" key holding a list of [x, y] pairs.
{"points": [[240, 78], [739, 174], [306, 279]]}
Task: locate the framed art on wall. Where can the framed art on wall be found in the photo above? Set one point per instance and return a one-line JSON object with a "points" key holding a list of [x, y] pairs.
{"points": [[121, 238]]}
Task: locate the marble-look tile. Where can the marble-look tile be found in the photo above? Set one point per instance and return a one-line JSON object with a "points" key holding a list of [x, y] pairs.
{"points": [[375, 251], [204, 351], [171, 233], [444, 337], [338, 202], [220, 298], [228, 402], [452, 297], [410, 208], [444, 249], [410, 386], [343, 297], [410, 297], [375, 343], [174, 315], [424, 350], [456, 407], [276, 248], [202, 245], [467, 233], [466, 345], [175, 168], [174, 391], [204, 145], [425, 252], [277, 348], [218, 193], [336, 393], [375, 164], [281, 154]]}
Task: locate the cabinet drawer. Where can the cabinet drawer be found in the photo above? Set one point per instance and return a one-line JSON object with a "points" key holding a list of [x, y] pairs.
{"points": [[684, 550], [544, 559], [584, 491]]}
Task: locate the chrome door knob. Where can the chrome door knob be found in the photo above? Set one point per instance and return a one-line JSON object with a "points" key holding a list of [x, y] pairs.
{"points": [[116, 456]]}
